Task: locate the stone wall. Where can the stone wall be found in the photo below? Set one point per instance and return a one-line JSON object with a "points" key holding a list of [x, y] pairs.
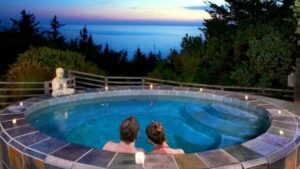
{"points": [[297, 82]]}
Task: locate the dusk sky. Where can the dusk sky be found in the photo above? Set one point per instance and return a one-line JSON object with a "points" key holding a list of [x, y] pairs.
{"points": [[97, 11]]}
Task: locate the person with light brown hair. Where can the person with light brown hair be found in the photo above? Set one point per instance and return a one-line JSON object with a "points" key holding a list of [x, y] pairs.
{"points": [[156, 136], [129, 131]]}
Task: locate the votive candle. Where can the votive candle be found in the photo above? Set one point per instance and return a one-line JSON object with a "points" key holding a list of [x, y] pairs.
{"points": [[139, 157], [14, 121]]}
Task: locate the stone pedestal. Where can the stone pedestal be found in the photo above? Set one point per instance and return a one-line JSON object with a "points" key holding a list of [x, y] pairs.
{"points": [[297, 82]]}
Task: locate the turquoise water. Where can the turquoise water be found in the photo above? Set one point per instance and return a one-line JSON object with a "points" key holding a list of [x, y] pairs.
{"points": [[190, 124]]}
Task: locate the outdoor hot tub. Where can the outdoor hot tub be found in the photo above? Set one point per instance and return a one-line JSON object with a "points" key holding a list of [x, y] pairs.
{"points": [[216, 129]]}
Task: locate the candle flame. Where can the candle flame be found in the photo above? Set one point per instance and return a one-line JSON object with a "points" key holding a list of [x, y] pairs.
{"points": [[281, 132], [139, 157]]}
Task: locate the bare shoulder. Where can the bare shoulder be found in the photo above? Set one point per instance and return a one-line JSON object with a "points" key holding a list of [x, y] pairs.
{"points": [[109, 146], [178, 151]]}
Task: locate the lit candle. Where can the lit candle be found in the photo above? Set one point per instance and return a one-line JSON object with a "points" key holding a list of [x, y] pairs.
{"points": [[106, 88], [201, 90], [21, 103], [246, 97], [279, 111], [281, 132], [14, 121], [151, 86], [139, 157], [65, 85]]}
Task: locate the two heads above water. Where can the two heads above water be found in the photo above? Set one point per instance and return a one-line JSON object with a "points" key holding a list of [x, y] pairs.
{"points": [[129, 132]]}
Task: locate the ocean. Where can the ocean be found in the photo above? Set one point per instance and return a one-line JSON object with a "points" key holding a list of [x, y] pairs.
{"points": [[130, 37]]}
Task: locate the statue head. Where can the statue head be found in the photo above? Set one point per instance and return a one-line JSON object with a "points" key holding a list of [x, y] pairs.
{"points": [[59, 72]]}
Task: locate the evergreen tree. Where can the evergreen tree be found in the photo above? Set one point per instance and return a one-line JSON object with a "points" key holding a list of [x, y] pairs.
{"points": [[113, 62], [84, 35], [87, 47], [139, 63], [55, 26], [27, 25], [83, 41], [90, 41]]}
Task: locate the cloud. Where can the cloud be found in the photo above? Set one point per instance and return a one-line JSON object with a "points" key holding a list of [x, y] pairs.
{"points": [[134, 7], [201, 8]]}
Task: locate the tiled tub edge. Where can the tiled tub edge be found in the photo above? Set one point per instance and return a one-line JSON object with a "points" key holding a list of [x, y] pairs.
{"points": [[23, 147]]}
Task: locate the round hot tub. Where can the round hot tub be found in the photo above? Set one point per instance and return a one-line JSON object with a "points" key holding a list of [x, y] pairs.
{"points": [[217, 129], [191, 124]]}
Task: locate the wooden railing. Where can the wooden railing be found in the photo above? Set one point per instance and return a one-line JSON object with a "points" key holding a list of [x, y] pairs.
{"points": [[86, 80], [11, 92]]}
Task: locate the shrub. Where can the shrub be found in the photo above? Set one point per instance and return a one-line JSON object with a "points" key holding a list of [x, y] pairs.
{"points": [[56, 58], [29, 71], [26, 71]]}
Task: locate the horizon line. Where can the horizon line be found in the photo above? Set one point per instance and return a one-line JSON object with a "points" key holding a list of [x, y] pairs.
{"points": [[71, 21]]}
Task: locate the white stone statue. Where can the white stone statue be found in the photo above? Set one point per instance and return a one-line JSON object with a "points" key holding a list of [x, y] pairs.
{"points": [[59, 84]]}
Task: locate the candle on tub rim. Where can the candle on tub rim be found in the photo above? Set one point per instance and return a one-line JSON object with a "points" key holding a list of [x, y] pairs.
{"points": [[281, 132], [246, 97], [140, 157], [106, 88], [14, 121], [21, 104], [279, 112], [201, 89], [151, 86]]}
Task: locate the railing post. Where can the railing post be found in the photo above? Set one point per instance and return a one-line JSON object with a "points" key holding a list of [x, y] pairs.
{"points": [[105, 81], [143, 82], [73, 82], [263, 92], [46, 88], [69, 73]]}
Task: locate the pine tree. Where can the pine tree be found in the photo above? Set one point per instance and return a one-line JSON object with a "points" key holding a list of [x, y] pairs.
{"points": [[55, 25], [90, 41], [27, 25], [84, 34], [139, 63]]}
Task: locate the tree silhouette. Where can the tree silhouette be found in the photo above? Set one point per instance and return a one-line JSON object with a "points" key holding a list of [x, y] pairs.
{"points": [[27, 25], [54, 33], [139, 63], [84, 35], [87, 46]]}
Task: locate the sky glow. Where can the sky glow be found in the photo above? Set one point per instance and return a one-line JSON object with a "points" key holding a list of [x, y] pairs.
{"points": [[173, 11]]}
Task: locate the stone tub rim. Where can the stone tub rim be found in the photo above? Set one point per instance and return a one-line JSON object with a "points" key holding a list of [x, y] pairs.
{"points": [[281, 138]]}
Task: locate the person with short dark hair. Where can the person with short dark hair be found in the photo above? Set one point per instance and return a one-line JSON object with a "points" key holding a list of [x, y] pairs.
{"points": [[156, 136], [129, 131]]}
